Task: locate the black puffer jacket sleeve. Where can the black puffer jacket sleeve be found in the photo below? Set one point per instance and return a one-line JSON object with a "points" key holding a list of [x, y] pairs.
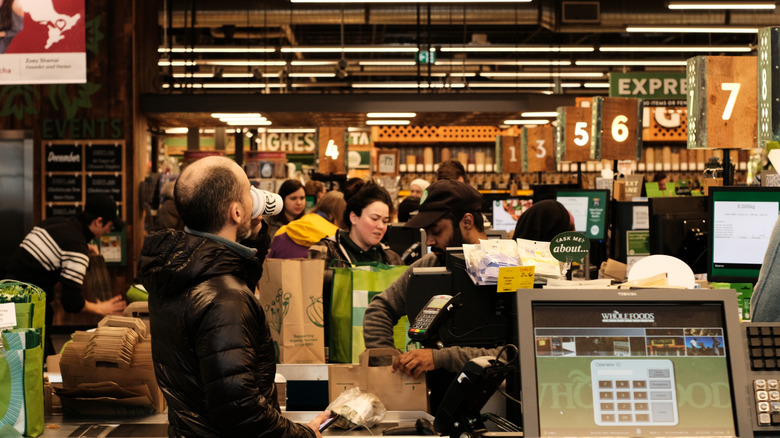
{"points": [[236, 359]]}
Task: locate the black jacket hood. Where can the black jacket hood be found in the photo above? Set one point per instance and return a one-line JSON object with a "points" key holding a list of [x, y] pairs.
{"points": [[173, 261]]}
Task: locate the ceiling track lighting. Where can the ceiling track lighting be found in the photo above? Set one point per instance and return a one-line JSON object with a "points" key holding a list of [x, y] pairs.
{"points": [[708, 5]]}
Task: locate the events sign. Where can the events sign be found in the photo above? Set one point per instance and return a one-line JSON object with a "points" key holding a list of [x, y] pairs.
{"points": [[44, 43]]}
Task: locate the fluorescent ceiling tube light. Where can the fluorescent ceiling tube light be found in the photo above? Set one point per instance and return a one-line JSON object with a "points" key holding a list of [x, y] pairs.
{"points": [[353, 49], [387, 122], [520, 85], [388, 62], [722, 5], [235, 115], [300, 63], [176, 130], [215, 50], [681, 49], [291, 130], [245, 63], [691, 29], [596, 85], [539, 114], [407, 85], [239, 85], [669, 63], [409, 1], [527, 122], [390, 115], [248, 123], [518, 48], [313, 75], [501, 62], [542, 74]]}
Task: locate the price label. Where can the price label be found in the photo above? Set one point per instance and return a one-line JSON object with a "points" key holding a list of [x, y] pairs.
{"points": [[768, 85], [574, 127], [616, 129], [332, 150], [538, 141], [8, 314], [722, 102], [512, 278], [511, 154]]}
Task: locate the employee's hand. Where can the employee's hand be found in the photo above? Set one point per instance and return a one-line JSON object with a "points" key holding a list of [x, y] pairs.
{"points": [[114, 306], [415, 362], [317, 421]]}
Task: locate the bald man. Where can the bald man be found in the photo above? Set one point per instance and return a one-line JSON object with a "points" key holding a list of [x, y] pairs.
{"points": [[212, 349]]}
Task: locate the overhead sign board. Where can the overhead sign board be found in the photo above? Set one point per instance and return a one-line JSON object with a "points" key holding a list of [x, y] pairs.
{"points": [[650, 86], [538, 141], [511, 156], [722, 102], [574, 129], [768, 85], [616, 129]]}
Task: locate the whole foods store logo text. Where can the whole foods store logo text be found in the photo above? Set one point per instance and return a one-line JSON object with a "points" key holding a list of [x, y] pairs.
{"points": [[616, 316]]}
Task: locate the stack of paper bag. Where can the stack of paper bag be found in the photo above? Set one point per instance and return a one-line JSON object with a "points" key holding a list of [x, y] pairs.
{"points": [[110, 371]]}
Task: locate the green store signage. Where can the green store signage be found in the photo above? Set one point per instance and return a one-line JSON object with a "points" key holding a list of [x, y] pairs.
{"points": [[60, 129], [648, 85], [570, 246]]}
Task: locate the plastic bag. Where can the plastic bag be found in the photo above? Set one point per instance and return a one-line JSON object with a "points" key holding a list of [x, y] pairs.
{"points": [[357, 408]]}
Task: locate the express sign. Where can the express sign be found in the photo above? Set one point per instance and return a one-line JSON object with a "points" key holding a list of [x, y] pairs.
{"points": [[648, 85]]}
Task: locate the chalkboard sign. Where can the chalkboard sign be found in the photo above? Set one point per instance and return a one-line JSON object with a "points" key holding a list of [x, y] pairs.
{"points": [[63, 188], [62, 158], [105, 184], [62, 210], [103, 157]]}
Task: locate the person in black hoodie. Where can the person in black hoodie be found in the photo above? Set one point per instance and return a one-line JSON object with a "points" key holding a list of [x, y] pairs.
{"points": [[212, 349], [543, 221]]}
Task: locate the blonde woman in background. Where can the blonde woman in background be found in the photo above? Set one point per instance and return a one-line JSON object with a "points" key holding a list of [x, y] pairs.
{"points": [[294, 239]]}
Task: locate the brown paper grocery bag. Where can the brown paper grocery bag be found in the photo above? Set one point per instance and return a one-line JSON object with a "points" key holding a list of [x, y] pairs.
{"points": [[397, 391], [291, 294]]}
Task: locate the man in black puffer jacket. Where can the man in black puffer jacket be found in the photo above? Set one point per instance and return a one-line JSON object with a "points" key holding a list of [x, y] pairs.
{"points": [[212, 350]]}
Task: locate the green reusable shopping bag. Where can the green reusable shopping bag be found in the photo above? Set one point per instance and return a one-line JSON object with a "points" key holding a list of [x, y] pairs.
{"points": [[353, 288], [21, 361]]}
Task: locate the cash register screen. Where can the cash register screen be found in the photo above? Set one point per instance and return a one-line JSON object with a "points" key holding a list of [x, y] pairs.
{"points": [[606, 366]]}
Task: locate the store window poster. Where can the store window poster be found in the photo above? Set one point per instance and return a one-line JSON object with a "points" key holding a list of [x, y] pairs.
{"points": [[42, 42]]}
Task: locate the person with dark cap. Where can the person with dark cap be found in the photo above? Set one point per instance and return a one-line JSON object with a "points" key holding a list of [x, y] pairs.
{"points": [[543, 221], [450, 214], [57, 250]]}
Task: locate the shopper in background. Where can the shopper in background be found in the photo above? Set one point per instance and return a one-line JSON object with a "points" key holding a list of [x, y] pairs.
{"points": [[543, 221], [314, 191], [57, 251], [167, 216], [294, 239], [452, 169], [409, 205], [364, 224], [661, 179], [294, 197], [417, 187], [213, 355]]}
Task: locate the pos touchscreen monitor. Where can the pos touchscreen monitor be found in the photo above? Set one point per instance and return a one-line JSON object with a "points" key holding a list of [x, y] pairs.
{"points": [[741, 220], [638, 363], [589, 209]]}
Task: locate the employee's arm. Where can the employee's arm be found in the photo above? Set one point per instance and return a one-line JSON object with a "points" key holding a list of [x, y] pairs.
{"points": [[383, 312]]}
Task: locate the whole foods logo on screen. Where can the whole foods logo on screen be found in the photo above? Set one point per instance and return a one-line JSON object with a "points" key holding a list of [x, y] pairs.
{"points": [[44, 43], [617, 316]]}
